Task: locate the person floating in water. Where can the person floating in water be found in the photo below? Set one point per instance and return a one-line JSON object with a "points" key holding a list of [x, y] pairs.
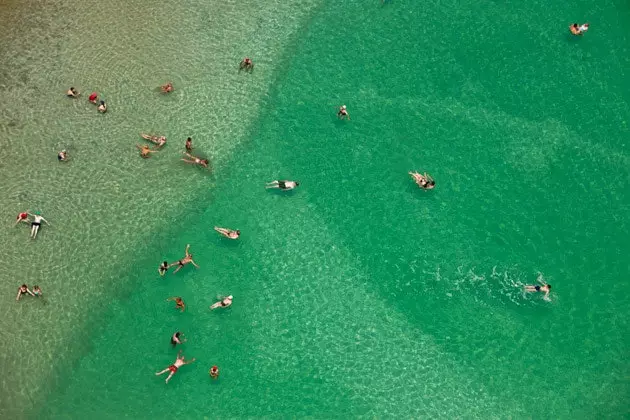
{"points": [[545, 288], [187, 259], [37, 291], [196, 161], [166, 88], [62, 156], [214, 372], [23, 290], [22, 217], [246, 64], [228, 233], [93, 98], [36, 223], [578, 29], [72, 93], [424, 181], [343, 113], [179, 303], [145, 150], [159, 141], [189, 145], [102, 108], [163, 268], [179, 362], [175, 339], [283, 185], [223, 303]]}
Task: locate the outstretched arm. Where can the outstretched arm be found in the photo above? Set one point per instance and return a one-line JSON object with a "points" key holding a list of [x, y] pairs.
{"points": [[193, 263], [189, 362], [30, 293], [18, 295], [45, 221], [187, 247]]}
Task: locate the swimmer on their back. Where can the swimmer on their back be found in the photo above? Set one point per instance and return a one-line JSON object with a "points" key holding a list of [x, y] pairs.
{"points": [[72, 93], [228, 233], [187, 259], [102, 108], [179, 362], [145, 150], [159, 141], [23, 290], [223, 303], [196, 161], [545, 288], [62, 156], [179, 303], [423, 181], [214, 372], [282, 185], [36, 223]]}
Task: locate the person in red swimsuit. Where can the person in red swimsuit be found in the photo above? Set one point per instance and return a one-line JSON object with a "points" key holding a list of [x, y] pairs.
{"points": [[22, 217], [93, 98], [179, 362]]}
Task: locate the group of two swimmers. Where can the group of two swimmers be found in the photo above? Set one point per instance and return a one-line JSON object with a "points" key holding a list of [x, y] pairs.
{"points": [[24, 290], [35, 223]]}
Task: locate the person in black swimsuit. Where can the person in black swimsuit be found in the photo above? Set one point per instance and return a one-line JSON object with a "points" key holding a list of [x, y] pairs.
{"points": [[187, 259], [23, 290], [283, 185], [546, 288]]}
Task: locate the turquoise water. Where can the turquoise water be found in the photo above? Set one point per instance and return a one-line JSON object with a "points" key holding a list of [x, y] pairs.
{"points": [[357, 294]]}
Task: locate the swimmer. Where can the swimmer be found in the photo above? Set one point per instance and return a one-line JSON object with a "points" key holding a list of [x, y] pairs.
{"points": [[175, 340], [36, 223], [168, 87], [62, 156], [196, 161], [22, 217], [145, 151], [37, 291], [228, 233], [102, 108], [22, 290], [72, 93], [546, 288], [223, 303], [179, 362], [188, 145], [159, 141], [578, 29], [246, 64], [283, 185], [93, 98], [343, 113], [179, 303], [163, 268], [187, 259], [424, 181], [214, 372]]}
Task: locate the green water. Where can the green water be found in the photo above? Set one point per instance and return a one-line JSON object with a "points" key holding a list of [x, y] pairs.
{"points": [[357, 294]]}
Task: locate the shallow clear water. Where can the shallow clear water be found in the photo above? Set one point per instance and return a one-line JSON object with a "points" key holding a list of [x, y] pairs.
{"points": [[356, 294]]}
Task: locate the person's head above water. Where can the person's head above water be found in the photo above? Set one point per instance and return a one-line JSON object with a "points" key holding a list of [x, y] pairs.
{"points": [[177, 334], [23, 286], [165, 263], [238, 232]]}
